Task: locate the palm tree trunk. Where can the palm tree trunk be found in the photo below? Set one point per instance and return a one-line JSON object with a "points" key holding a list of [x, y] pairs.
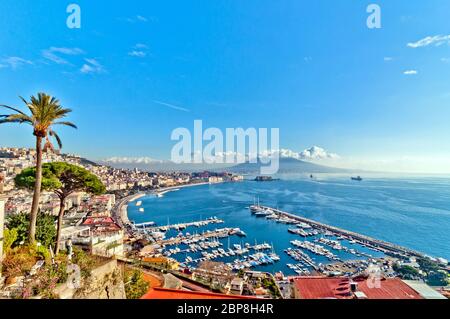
{"points": [[60, 221], [37, 190]]}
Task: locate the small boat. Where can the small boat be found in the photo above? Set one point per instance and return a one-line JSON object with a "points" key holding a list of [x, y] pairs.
{"points": [[357, 178], [141, 210]]}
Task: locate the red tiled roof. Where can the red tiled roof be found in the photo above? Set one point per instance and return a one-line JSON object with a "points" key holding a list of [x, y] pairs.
{"points": [[390, 288], [98, 220], [102, 224], [339, 288], [164, 293]]}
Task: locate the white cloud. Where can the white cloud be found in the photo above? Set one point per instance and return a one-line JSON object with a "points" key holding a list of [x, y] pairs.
{"points": [[410, 72], [92, 66], [317, 153], [388, 58], [139, 50], [314, 153], [445, 60], [131, 160], [52, 54], [436, 40], [138, 54], [15, 62], [137, 18], [175, 107], [141, 18], [141, 46]]}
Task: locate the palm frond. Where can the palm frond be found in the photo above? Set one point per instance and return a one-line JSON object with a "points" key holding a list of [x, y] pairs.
{"points": [[20, 117], [58, 140], [16, 118], [45, 111], [12, 108], [66, 123]]}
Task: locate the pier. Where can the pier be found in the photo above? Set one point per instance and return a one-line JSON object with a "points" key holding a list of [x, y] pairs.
{"points": [[385, 247], [144, 225], [180, 226], [219, 233]]}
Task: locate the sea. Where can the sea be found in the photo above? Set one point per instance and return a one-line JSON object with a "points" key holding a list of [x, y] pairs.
{"points": [[413, 212]]}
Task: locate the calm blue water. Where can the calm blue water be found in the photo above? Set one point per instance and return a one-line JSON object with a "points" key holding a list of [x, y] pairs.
{"points": [[413, 212]]}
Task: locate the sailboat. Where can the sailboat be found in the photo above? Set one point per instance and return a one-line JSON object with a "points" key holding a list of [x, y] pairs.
{"points": [[255, 207]]}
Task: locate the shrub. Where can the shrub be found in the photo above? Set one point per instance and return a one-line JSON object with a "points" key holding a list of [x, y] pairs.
{"points": [[45, 228], [85, 261], [19, 261], [437, 279], [135, 285], [9, 237]]}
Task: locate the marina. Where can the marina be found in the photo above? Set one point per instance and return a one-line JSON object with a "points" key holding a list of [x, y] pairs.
{"points": [[375, 244], [206, 244], [340, 248]]}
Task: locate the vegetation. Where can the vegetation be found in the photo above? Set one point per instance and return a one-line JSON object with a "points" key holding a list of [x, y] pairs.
{"points": [[85, 261], [45, 231], [9, 237], [63, 179], [427, 265], [406, 272], [269, 284], [46, 112], [434, 276], [135, 285], [438, 278], [431, 272], [19, 261]]}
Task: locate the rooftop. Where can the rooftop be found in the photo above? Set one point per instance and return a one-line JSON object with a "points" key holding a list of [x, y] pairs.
{"points": [[340, 288], [424, 290], [164, 293]]}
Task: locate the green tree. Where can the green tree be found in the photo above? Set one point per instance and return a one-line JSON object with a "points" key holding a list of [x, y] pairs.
{"points": [[63, 179], [46, 112], [406, 272], [438, 278], [45, 230], [135, 285]]}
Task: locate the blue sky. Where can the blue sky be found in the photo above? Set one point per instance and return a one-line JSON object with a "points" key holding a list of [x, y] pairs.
{"points": [[135, 72]]}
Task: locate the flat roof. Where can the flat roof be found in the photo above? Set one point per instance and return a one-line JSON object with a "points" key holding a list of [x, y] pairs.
{"points": [[424, 290]]}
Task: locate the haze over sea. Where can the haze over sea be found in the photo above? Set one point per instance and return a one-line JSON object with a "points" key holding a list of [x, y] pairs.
{"points": [[412, 212]]}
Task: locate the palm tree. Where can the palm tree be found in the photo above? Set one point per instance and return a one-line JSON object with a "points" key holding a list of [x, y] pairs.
{"points": [[45, 113]]}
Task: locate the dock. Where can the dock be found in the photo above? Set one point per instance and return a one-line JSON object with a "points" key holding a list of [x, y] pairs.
{"points": [[180, 226], [385, 247], [188, 239], [144, 225]]}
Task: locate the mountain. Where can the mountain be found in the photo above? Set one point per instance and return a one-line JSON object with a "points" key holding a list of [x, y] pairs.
{"points": [[288, 165], [166, 166]]}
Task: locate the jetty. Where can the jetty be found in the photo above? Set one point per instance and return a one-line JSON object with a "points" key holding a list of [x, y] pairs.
{"points": [[376, 244], [144, 225], [189, 239], [179, 226]]}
